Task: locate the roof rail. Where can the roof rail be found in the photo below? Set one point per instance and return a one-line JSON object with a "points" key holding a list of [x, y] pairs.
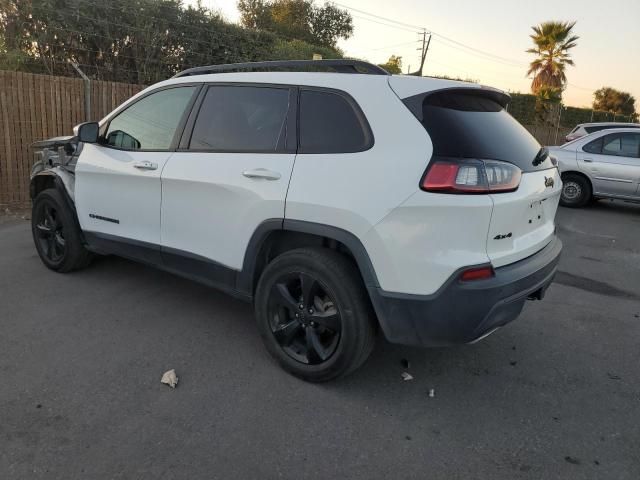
{"points": [[337, 65]]}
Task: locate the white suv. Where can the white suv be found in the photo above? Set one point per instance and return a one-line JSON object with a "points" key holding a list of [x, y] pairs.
{"points": [[339, 203]]}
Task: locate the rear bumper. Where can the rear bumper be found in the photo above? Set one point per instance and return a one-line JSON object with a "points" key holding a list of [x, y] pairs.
{"points": [[462, 312]]}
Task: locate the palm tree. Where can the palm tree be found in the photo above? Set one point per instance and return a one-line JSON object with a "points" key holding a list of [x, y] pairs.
{"points": [[552, 40]]}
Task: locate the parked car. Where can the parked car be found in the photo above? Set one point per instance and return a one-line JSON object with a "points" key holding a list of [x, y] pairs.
{"points": [[604, 164], [339, 203], [587, 128]]}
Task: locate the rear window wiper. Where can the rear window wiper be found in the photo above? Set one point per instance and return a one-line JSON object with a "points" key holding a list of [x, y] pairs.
{"points": [[541, 156]]}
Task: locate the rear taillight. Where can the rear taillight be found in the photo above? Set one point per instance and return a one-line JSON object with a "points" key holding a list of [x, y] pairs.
{"points": [[477, 273], [471, 176]]}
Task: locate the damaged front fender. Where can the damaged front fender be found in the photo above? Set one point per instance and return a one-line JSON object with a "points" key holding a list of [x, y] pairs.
{"points": [[55, 165]]}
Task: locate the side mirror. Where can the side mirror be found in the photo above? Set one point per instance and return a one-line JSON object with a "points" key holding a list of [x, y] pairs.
{"points": [[88, 132]]}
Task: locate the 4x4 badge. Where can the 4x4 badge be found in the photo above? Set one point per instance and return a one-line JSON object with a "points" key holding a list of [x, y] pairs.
{"points": [[548, 182]]}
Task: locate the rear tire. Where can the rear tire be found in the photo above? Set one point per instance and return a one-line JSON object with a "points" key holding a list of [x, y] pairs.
{"points": [[55, 233], [576, 191], [314, 314]]}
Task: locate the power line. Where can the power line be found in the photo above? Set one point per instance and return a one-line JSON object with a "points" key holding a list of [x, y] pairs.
{"points": [[399, 27], [379, 17], [444, 37]]}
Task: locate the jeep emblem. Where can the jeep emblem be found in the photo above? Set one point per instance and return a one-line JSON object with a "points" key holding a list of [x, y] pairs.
{"points": [[548, 182]]}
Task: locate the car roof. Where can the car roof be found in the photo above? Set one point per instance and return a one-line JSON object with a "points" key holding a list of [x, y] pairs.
{"points": [[600, 124], [403, 85]]}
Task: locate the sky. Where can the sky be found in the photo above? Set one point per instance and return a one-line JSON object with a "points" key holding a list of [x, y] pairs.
{"points": [[492, 37]]}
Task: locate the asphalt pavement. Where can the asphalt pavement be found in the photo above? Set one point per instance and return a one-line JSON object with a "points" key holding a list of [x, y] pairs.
{"points": [[556, 394]]}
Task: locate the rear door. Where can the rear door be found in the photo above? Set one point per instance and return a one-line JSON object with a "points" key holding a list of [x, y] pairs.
{"points": [[229, 175], [613, 163]]}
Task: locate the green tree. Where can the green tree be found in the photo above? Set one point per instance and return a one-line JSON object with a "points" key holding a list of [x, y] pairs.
{"points": [[297, 19], [299, 50], [393, 65], [553, 41], [615, 101]]}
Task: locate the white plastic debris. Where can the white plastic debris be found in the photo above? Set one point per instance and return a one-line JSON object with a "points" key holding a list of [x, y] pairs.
{"points": [[407, 376], [169, 378], [432, 392]]}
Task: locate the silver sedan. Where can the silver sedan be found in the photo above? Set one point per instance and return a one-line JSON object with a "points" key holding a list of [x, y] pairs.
{"points": [[604, 164]]}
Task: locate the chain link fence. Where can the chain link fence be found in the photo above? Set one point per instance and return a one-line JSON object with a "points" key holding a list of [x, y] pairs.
{"points": [[551, 125]]}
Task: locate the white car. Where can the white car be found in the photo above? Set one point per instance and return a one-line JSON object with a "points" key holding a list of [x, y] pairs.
{"points": [[339, 203], [605, 164], [587, 128]]}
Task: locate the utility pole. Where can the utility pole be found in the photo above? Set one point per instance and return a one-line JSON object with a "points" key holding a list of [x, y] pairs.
{"points": [[423, 52]]}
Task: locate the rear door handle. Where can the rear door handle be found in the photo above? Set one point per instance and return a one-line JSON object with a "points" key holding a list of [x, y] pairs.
{"points": [[146, 165], [262, 173], [588, 160]]}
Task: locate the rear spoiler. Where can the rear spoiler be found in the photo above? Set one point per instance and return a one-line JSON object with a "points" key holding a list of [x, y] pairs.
{"points": [[415, 102]]}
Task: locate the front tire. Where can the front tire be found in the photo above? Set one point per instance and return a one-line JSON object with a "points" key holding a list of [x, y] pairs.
{"points": [[576, 191], [314, 314], [56, 236]]}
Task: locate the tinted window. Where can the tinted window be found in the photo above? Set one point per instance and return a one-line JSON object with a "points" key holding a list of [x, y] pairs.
{"points": [[594, 129], [150, 123], [621, 144], [594, 146], [330, 124], [243, 119], [468, 125]]}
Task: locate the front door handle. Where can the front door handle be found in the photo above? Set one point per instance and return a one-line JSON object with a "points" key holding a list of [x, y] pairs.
{"points": [[588, 160], [146, 165], [262, 173]]}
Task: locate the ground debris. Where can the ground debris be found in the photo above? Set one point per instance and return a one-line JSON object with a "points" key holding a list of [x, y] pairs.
{"points": [[432, 392], [572, 460], [406, 376], [169, 378], [613, 376]]}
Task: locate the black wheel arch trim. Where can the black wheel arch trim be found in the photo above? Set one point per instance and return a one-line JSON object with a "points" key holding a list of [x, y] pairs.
{"points": [[247, 276]]}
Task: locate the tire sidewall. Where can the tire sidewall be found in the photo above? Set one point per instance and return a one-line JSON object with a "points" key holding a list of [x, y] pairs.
{"points": [[72, 240], [585, 194], [294, 262]]}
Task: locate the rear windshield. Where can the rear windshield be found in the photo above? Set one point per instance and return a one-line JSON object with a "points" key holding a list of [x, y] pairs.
{"points": [[464, 124], [597, 128]]}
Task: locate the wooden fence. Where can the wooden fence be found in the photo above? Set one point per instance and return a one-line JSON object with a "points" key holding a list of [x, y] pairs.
{"points": [[36, 107]]}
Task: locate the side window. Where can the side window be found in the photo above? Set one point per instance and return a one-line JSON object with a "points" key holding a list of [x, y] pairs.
{"points": [[241, 119], [594, 147], [622, 145], [150, 123], [329, 123]]}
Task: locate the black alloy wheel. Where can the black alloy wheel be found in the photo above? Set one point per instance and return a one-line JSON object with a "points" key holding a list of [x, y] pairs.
{"points": [[56, 233], [305, 319], [49, 232], [314, 314]]}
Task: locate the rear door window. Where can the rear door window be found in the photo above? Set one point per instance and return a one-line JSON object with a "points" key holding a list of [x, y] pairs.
{"points": [[331, 122], [594, 146], [469, 124], [241, 119]]}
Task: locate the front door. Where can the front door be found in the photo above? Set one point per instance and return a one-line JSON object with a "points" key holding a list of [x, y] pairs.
{"points": [[614, 164], [228, 177], [117, 188]]}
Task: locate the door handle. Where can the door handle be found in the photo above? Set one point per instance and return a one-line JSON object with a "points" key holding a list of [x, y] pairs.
{"points": [[262, 173], [146, 165], [588, 160]]}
